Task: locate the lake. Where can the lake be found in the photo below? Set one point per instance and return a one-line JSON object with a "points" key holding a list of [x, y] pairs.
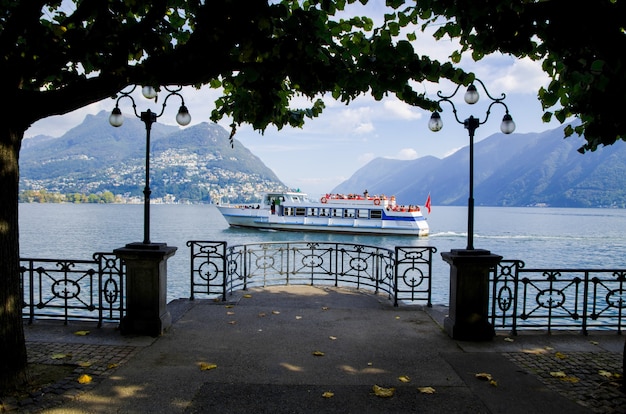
{"points": [[541, 237]]}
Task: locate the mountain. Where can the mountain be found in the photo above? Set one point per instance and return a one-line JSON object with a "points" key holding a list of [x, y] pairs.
{"points": [[196, 163], [509, 170]]}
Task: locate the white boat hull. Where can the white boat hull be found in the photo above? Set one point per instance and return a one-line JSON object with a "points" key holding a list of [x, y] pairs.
{"points": [[264, 219]]}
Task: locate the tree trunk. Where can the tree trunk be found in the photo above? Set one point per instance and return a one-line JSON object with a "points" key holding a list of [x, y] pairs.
{"points": [[13, 361]]}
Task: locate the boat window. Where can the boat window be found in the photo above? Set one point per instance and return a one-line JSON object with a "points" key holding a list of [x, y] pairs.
{"points": [[300, 211], [312, 211], [337, 212], [288, 211], [348, 213], [363, 213], [376, 214], [323, 212]]}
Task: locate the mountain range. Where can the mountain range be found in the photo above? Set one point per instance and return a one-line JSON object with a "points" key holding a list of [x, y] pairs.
{"points": [[198, 163], [533, 169], [201, 164]]}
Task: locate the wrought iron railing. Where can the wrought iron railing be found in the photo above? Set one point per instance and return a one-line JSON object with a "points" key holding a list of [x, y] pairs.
{"points": [[521, 299], [580, 299], [404, 274], [73, 289]]}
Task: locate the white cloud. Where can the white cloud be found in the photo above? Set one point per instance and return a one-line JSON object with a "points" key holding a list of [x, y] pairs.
{"points": [[452, 151], [58, 125], [364, 128], [353, 121], [524, 76], [400, 110], [406, 154], [366, 157]]}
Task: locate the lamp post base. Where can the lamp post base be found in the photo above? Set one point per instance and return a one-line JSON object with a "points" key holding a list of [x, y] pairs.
{"points": [[469, 294], [146, 288]]}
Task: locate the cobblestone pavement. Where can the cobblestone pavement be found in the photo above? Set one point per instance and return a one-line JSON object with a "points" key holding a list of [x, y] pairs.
{"points": [[96, 361], [592, 379]]}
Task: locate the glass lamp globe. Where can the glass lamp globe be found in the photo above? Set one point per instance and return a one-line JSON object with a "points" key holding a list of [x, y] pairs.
{"points": [[435, 124], [471, 96], [507, 126], [182, 117], [148, 92], [116, 118]]}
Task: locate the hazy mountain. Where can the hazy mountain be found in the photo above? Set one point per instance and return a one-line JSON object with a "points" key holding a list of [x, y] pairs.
{"points": [[196, 163], [509, 170]]}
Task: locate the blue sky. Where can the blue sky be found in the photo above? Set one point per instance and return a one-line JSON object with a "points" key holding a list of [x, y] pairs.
{"points": [[329, 149]]}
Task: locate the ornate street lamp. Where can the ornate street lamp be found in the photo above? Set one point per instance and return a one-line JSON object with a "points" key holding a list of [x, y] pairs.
{"points": [[148, 117], [471, 124]]}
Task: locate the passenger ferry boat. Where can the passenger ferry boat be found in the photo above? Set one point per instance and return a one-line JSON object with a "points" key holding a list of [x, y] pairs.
{"points": [[361, 214]]}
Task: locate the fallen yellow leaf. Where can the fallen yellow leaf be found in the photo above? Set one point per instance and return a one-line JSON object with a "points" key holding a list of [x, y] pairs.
{"points": [[112, 366], [318, 353], [84, 379], [404, 378], [570, 379], [383, 392], [60, 356], [247, 296], [507, 339], [594, 342], [298, 317], [84, 364], [328, 394], [484, 376], [606, 373], [397, 317], [81, 333], [332, 338], [275, 312], [560, 355], [232, 322], [229, 306], [324, 307], [206, 367], [558, 374], [493, 382], [426, 390], [230, 313]]}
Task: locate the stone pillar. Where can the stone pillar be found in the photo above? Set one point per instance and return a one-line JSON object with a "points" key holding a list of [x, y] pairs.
{"points": [[469, 294], [146, 288]]}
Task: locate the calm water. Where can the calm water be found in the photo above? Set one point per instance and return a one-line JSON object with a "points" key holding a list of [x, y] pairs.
{"points": [[541, 237]]}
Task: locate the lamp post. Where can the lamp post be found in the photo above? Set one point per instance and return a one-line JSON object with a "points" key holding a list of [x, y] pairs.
{"points": [[468, 316], [148, 118], [146, 263], [471, 124]]}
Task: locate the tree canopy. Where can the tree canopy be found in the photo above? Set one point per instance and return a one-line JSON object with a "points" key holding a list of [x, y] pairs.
{"points": [[59, 56], [579, 43]]}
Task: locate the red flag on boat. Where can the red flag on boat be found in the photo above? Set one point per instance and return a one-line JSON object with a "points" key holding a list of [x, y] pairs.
{"points": [[427, 204]]}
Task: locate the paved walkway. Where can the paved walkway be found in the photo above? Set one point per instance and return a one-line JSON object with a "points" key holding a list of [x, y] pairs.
{"points": [[279, 350]]}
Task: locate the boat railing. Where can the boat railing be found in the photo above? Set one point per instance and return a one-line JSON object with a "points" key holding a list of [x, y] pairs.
{"points": [[66, 289], [404, 274], [557, 298]]}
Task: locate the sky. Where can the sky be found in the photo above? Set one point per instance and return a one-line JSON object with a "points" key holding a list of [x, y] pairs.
{"points": [[331, 148]]}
